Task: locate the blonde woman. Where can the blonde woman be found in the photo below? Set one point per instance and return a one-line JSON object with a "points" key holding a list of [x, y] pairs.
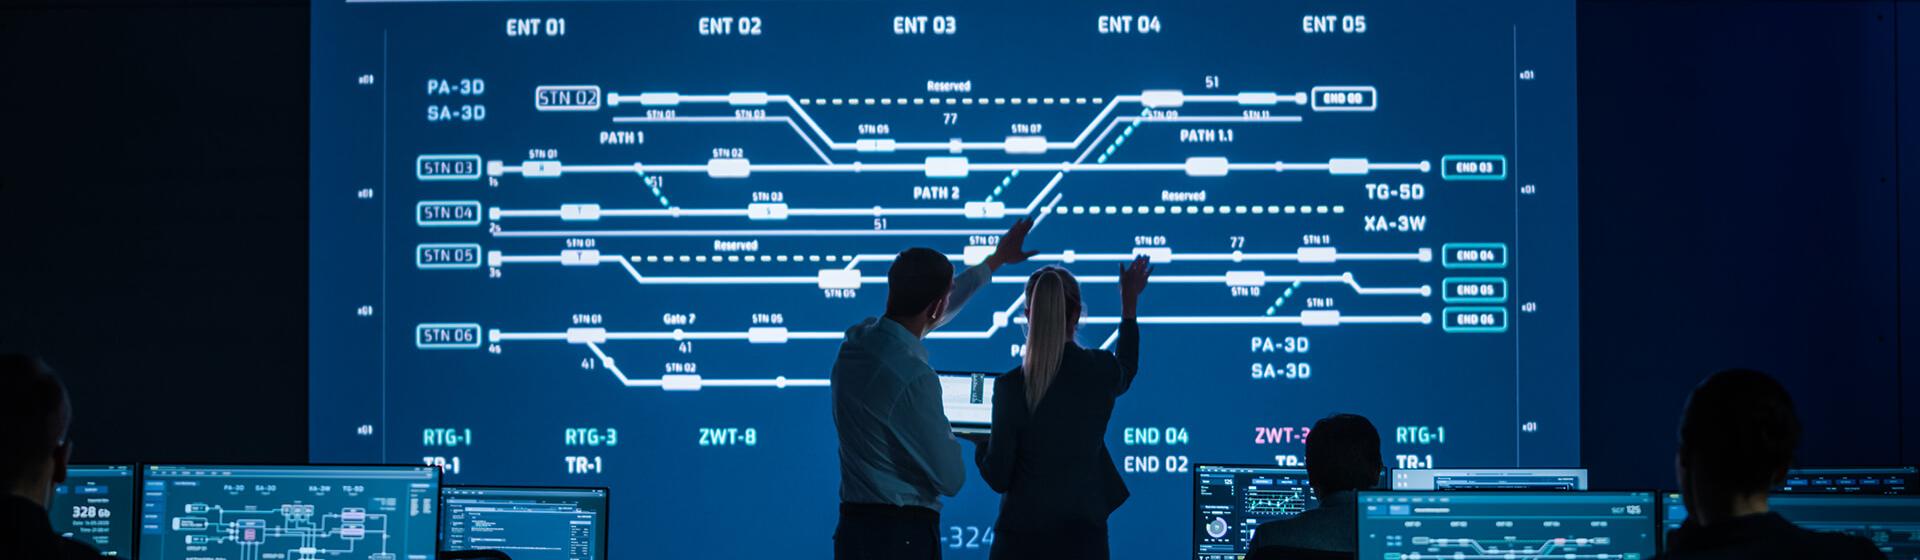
{"points": [[1047, 454]]}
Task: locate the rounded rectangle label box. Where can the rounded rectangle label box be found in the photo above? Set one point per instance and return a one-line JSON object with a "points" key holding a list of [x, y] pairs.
{"points": [[447, 213], [1474, 290], [446, 256], [1473, 167], [447, 167], [1473, 255], [446, 336], [1474, 319]]}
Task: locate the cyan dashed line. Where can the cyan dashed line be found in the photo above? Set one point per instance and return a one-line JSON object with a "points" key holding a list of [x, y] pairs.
{"points": [[1282, 300], [1003, 185], [1122, 139], [654, 183]]}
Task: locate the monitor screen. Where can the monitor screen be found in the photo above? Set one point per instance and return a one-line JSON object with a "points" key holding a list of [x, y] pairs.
{"points": [[1230, 501], [968, 400], [196, 512], [1489, 479], [527, 523], [1673, 512], [1505, 524], [95, 506], [1890, 521], [646, 227], [1850, 480]]}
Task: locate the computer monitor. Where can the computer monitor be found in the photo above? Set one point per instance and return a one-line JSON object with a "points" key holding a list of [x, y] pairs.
{"points": [[1421, 480], [95, 506], [1673, 512], [1892, 522], [967, 397], [528, 523], [1230, 501], [1507, 524], [336, 512], [1851, 480]]}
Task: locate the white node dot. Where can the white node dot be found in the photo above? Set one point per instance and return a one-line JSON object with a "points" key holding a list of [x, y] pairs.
{"points": [[679, 334], [1426, 318], [1426, 291]]}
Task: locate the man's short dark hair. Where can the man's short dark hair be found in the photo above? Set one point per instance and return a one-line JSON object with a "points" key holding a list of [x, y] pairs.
{"points": [[1739, 432], [919, 277], [33, 413], [1343, 453]]}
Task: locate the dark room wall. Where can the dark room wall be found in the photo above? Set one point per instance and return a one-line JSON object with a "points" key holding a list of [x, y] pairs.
{"points": [[153, 222], [1740, 207]]}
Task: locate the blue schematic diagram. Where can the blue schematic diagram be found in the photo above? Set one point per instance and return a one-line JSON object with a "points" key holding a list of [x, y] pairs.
{"points": [[617, 243], [292, 513]]}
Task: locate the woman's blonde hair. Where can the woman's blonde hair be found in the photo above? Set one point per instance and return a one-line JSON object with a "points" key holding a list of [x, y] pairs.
{"points": [[1053, 311]]}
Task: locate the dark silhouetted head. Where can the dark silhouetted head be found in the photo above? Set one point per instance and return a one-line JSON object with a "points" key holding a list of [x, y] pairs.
{"points": [[1343, 453], [1737, 438], [917, 286], [34, 417]]}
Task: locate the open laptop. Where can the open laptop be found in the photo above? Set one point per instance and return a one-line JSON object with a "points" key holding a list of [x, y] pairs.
{"points": [[967, 397]]}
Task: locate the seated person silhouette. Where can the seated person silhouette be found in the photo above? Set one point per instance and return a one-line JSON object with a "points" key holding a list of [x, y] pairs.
{"points": [[1343, 457], [34, 447], [1737, 438]]}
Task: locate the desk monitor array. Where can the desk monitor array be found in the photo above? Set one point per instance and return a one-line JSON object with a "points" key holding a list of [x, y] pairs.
{"points": [[372, 512]]}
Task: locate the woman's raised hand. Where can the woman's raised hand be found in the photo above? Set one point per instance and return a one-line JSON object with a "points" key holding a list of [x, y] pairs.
{"points": [[1133, 280]]}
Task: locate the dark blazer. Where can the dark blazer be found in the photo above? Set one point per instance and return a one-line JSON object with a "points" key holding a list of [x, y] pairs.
{"points": [[1051, 463]]}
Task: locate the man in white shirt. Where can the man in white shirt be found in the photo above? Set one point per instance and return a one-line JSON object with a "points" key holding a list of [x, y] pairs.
{"points": [[897, 451]]}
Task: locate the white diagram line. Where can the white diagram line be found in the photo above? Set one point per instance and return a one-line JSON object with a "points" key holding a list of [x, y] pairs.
{"points": [[1328, 318], [954, 145], [694, 382], [751, 232], [1359, 167], [1307, 255], [1267, 98]]}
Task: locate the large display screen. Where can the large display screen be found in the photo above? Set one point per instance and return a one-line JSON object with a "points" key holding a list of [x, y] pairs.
{"points": [[617, 243]]}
